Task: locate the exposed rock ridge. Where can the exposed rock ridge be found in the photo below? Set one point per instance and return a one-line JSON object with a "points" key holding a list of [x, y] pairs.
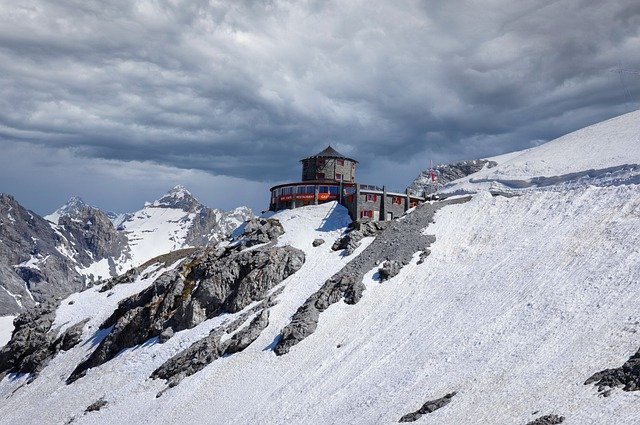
{"points": [[210, 282], [94, 235], [34, 343], [132, 274], [626, 376], [206, 350], [397, 243], [428, 407], [547, 420]]}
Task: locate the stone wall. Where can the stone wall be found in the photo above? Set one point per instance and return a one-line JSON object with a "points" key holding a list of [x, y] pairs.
{"points": [[311, 167], [379, 204]]}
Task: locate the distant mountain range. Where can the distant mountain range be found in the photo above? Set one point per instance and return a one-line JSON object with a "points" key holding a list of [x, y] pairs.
{"points": [[65, 251]]}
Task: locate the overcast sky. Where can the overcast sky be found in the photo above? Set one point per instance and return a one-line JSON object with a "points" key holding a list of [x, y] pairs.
{"points": [[117, 101]]}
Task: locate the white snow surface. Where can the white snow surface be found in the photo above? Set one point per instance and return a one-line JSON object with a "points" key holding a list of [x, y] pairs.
{"points": [[604, 153], [521, 300], [607, 144], [6, 327], [154, 231]]}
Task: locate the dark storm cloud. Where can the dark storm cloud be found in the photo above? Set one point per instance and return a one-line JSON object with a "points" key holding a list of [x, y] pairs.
{"points": [[246, 88]]}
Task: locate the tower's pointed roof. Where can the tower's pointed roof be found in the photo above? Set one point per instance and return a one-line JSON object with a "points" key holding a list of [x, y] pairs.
{"points": [[330, 152]]}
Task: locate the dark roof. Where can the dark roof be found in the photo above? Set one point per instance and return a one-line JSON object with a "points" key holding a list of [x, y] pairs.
{"points": [[330, 152]]}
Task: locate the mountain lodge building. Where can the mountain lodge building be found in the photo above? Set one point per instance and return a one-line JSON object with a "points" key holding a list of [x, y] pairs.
{"points": [[331, 176]]}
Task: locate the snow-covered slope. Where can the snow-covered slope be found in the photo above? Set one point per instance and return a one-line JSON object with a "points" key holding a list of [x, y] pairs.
{"points": [[6, 327], [521, 300], [611, 143], [176, 220], [601, 154]]}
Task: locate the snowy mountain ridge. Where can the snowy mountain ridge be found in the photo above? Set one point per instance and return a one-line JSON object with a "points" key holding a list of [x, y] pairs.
{"points": [[79, 244], [481, 309], [604, 153]]}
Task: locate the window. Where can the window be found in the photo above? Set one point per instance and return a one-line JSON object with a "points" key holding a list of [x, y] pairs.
{"points": [[334, 190], [372, 198], [397, 200], [338, 176], [324, 189], [340, 162], [320, 176], [300, 189], [311, 190], [366, 214]]}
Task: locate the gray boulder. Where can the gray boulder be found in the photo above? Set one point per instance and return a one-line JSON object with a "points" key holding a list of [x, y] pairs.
{"points": [[260, 230], [351, 241], [389, 269]]}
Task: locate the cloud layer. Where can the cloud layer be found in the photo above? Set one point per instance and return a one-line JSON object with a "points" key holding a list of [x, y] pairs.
{"points": [[246, 88]]}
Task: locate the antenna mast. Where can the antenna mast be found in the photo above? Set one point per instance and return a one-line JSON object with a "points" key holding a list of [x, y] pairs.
{"points": [[432, 177]]}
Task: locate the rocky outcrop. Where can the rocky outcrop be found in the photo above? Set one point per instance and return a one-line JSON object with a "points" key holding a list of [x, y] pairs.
{"points": [[428, 407], [398, 243], [33, 343], [626, 376], [317, 242], [211, 282], [203, 352], [96, 405], [132, 274], [449, 172], [260, 230], [389, 269], [351, 241], [547, 420]]}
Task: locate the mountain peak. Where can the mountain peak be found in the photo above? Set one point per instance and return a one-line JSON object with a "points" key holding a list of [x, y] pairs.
{"points": [[179, 191], [72, 207], [74, 202], [178, 197]]}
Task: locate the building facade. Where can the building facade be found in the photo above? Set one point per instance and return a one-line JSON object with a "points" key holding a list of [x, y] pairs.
{"points": [[329, 165], [331, 176]]}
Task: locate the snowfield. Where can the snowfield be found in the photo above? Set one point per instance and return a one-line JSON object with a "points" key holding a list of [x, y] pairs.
{"points": [[521, 300], [6, 327], [154, 231], [602, 154]]}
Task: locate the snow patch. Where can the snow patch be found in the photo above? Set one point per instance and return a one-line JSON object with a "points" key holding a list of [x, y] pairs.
{"points": [[6, 328]]}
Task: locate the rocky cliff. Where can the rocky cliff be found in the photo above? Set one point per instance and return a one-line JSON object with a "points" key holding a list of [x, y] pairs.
{"points": [[79, 244]]}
